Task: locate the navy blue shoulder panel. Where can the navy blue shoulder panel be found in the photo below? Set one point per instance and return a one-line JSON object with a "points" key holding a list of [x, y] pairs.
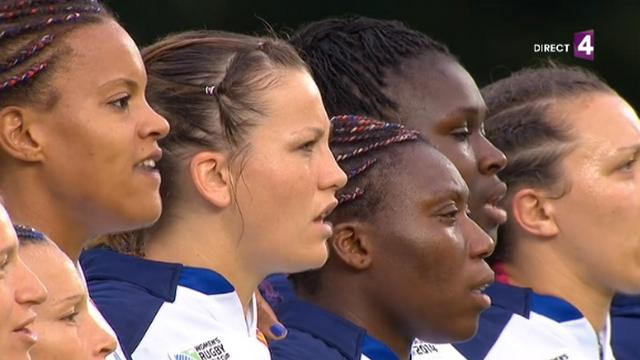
{"points": [[128, 308], [507, 300], [492, 323], [625, 327]]}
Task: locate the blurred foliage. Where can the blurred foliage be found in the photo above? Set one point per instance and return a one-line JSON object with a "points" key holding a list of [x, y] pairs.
{"points": [[491, 37]]}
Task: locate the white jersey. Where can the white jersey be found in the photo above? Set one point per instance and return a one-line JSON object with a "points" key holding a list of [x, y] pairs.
{"points": [[524, 325], [169, 311]]}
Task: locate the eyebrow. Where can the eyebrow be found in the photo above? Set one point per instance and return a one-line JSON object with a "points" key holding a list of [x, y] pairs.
{"points": [[634, 148], [455, 194], [71, 298], [318, 132], [127, 81]]}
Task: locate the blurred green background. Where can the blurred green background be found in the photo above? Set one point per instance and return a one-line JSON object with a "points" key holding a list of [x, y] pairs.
{"points": [[491, 37]]}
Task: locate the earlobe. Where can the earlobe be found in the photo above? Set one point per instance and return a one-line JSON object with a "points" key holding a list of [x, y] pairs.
{"points": [[212, 178], [17, 136], [350, 242], [533, 212]]}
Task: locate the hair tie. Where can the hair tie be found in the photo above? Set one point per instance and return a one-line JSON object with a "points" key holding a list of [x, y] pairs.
{"points": [[211, 90], [25, 232]]}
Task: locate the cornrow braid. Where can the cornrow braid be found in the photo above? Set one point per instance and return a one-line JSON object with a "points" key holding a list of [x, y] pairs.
{"points": [[22, 78], [31, 3], [54, 20], [10, 15], [366, 136], [356, 193], [27, 52], [349, 59], [30, 31], [519, 123]]}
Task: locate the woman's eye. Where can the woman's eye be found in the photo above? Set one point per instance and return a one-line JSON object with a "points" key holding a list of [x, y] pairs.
{"points": [[450, 216], [461, 134], [629, 164], [4, 261], [71, 317], [122, 102], [308, 146]]}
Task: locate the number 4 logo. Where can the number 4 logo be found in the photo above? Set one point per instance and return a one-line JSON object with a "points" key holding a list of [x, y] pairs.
{"points": [[584, 45]]}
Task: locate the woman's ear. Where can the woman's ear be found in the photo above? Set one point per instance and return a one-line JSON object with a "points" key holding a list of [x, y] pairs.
{"points": [[534, 212], [211, 175], [351, 242], [18, 136]]}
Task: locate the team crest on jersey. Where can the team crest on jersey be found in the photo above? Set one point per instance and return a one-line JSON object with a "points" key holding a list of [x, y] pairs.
{"points": [[208, 350]]}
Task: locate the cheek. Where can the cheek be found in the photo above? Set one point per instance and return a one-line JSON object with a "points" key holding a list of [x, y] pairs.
{"points": [[56, 338], [460, 154]]}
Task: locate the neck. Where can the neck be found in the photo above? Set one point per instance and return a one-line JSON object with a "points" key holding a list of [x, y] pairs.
{"points": [[30, 204], [206, 241], [549, 273], [359, 307]]}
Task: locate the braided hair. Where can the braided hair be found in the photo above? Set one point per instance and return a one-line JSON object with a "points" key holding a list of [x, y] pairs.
{"points": [[349, 59], [363, 148], [31, 43], [518, 123]]}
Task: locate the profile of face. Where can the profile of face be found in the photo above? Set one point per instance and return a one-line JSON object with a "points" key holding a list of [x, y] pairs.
{"points": [[598, 215], [65, 328], [99, 140], [289, 178], [425, 237], [20, 291], [438, 97]]}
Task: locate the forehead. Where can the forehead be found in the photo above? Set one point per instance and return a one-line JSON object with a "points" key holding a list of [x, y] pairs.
{"points": [[53, 268], [423, 173], [600, 121], [295, 103], [98, 53], [431, 87]]}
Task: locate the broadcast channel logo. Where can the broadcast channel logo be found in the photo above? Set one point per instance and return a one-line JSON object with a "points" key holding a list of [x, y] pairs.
{"points": [[583, 46]]}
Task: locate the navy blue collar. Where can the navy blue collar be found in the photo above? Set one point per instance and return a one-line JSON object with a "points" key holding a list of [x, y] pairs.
{"points": [[523, 300], [337, 332], [158, 278], [377, 350], [205, 281]]}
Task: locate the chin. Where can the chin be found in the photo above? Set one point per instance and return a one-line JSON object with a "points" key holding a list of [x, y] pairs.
{"points": [[310, 260], [458, 332]]}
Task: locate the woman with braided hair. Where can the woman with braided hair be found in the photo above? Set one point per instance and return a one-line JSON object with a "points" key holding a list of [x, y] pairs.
{"points": [[405, 255], [78, 141], [248, 182], [402, 76], [573, 237]]}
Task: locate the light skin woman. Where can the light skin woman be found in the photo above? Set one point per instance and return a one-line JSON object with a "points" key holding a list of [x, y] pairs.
{"points": [[65, 327], [571, 242], [278, 159], [591, 194], [20, 292]]}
